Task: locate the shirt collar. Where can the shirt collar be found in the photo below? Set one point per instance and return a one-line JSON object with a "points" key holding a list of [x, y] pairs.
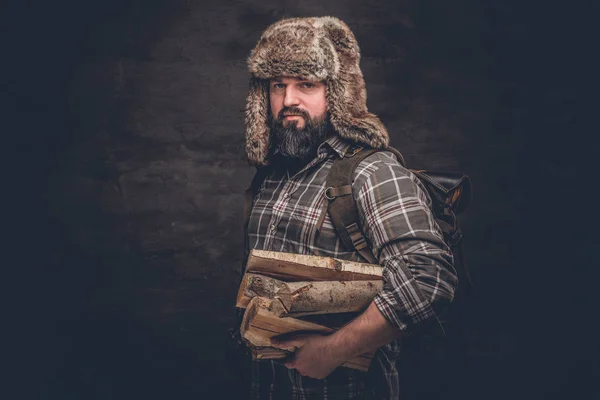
{"points": [[336, 143]]}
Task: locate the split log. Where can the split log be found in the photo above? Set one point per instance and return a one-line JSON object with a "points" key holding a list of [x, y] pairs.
{"points": [[300, 267], [242, 299], [260, 325], [297, 299]]}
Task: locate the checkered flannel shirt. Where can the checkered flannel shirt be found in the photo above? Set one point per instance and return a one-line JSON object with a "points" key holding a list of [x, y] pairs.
{"points": [[418, 277]]}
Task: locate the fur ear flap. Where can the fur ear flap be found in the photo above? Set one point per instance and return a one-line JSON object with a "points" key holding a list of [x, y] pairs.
{"points": [[257, 117], [349, 115]]}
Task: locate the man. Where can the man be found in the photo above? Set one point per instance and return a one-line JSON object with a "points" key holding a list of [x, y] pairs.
{"points": [[306, 107]]}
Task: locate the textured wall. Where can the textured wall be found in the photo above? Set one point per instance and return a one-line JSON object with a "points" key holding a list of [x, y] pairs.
{"points": [[135, 178]]}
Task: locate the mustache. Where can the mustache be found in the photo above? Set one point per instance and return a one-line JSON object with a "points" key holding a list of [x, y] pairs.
{"points": [[292, 111]]}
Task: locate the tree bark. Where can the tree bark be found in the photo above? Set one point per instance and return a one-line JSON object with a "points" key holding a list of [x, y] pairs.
{"points": [[297, 299]]}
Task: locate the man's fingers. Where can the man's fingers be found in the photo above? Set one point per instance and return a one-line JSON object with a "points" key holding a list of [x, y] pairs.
{"points": [[289, 362]]}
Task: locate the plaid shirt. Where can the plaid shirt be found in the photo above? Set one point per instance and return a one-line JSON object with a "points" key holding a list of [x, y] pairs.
{"points": [[418, 277]]}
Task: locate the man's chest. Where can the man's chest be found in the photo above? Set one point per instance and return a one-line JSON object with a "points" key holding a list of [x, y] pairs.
{"points": [[289, 215]]}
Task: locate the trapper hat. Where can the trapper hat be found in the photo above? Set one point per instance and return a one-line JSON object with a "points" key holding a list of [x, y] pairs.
{"points": [[318, 49]]}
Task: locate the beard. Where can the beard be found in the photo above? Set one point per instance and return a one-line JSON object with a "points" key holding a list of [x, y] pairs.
{"points": [[293, 146]]}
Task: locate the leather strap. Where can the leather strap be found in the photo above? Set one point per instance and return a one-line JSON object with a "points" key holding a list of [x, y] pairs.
{"points": [[330, 194], [340, 203]]}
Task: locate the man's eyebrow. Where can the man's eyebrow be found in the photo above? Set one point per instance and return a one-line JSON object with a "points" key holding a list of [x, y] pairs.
{"points": [[277, 79], [310, 81]]}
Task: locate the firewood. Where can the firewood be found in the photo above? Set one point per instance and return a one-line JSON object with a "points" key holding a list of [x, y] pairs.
{"points": [[242, 299], [259, 325], [299, 267], [297, 299]]}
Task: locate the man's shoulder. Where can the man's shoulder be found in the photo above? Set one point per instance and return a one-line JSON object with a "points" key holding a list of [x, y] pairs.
{"points": [[378, 165], [382, 173]]}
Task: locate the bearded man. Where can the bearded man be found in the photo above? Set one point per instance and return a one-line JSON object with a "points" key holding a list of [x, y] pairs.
{"points": [[306, 107]]}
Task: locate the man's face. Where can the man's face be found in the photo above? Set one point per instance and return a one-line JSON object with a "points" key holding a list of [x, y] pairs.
{"points": [[294, 101], [299, 122]]}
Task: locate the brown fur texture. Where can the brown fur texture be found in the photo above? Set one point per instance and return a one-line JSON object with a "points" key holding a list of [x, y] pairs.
{"points": [[320, 49]]}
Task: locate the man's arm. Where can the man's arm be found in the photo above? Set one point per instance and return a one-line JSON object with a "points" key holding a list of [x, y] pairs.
{"points": [[418, 276], [317, 355]]}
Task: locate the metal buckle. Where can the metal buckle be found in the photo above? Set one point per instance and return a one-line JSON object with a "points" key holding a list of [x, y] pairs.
{"points": [[354, 151], [327, 196]]}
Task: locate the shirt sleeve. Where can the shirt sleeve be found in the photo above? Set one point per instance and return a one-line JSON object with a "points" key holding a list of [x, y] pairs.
{"points": [[394, 210]]}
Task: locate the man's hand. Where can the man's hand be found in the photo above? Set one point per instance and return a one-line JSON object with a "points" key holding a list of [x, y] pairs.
{"points": [[315, 356]]}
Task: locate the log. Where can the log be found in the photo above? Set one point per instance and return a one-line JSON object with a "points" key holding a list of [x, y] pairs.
{"points": [[298, 267], [259, 325], [296, 299], [242, 299]]}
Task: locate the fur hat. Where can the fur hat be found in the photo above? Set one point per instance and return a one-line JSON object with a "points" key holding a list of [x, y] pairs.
{"points": [[319, 49]]}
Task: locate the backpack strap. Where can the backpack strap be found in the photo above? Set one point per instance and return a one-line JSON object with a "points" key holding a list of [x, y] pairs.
{"points": [[340, 203]]}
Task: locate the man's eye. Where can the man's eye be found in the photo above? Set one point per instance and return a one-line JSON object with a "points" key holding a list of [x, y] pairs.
{"points": [[278, 86], [308, 85]]}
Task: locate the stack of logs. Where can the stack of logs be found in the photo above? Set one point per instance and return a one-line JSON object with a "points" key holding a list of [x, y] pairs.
{"points": [[284, 292]]}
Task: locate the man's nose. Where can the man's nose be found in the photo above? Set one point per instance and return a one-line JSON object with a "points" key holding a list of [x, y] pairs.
{"points": [[291, 97]]}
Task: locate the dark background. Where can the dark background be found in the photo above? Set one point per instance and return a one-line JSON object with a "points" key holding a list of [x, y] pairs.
{"points": [[124, 166]]}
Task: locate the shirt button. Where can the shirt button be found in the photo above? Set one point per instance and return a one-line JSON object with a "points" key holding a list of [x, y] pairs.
{"points": [[273, 228]]}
